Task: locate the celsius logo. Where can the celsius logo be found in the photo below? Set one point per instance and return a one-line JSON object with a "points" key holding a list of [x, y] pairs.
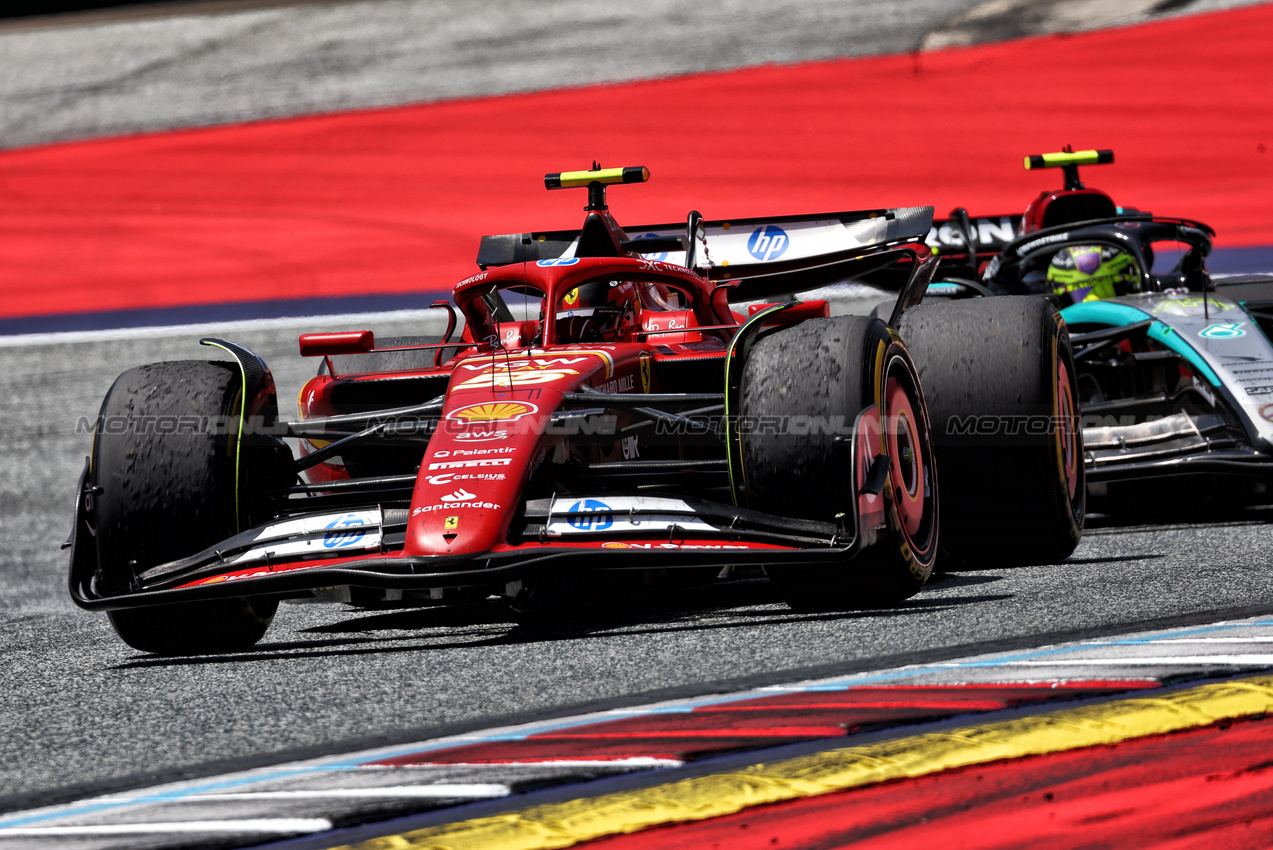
{"points": [[599, 522], [459, 495], [346, 531], [768, 242], [657, 257]]}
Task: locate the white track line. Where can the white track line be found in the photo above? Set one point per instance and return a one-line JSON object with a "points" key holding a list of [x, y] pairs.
{"points": [[282, 323], [627, 763], [289, 826], [474, 790], [1202, 661], [1268, 640]]}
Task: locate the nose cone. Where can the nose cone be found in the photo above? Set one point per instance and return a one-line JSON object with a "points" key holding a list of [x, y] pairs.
{"points": [[492, 435], [468, 488]]}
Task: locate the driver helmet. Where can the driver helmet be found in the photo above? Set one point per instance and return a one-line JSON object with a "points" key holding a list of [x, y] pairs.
{"points": [[1092, 272], [598, 310]]}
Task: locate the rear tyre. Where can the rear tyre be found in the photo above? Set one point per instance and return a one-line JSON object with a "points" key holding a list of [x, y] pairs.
{"points": [[998, 377], [165, 466], [830, 370]]}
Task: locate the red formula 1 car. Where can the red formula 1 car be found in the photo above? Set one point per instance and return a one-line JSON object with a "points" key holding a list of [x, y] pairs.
{"points": [[605, 416]]}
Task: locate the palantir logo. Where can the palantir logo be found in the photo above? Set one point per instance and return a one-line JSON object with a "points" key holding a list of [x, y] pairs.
{"points": [[599, 522], [346, 531], [768, 242]]}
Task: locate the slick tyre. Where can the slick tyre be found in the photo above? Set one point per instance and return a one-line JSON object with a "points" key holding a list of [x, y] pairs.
{"points": [[164, 468], [998, 374], [829, 370]]}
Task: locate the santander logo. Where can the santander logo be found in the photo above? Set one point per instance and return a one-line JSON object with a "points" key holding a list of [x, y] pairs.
{"points": [[459, 495]]}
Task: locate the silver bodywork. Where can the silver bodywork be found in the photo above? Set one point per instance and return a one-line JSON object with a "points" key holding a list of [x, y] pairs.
{"points": [[1218, 418]]}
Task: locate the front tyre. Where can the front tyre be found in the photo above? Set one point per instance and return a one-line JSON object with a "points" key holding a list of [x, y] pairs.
{"points": [[827, 371], [165, 464]]}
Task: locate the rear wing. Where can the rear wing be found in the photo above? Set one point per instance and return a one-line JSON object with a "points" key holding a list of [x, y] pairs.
{"points": [[783, 249], [989, 234], [950, 237]]}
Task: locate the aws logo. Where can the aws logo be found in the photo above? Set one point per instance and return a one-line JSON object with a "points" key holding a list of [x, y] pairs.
{"points": [[479, 435]]}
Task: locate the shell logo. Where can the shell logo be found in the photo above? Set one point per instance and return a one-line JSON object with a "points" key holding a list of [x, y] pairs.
{"points": [[493, 411], [615, 546]]}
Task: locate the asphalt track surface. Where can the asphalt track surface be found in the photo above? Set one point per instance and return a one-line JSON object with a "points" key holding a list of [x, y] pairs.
{"points": [[81, 711]]}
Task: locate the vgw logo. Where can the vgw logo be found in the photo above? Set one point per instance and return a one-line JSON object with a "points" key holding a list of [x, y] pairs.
{"points": [[768, 242], [346, 531], [599, 522]]}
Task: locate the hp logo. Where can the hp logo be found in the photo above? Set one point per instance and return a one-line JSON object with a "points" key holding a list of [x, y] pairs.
{"points": [[345, 531], [600, 522], [768, 242], [658, 257]]}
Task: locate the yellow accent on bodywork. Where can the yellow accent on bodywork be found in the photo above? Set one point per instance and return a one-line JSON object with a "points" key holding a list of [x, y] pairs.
{"points": [[238, 440], [1064, 158], [606, 176]]}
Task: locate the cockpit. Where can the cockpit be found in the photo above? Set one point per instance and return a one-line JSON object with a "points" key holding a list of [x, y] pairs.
{"points": [[612, 307]]}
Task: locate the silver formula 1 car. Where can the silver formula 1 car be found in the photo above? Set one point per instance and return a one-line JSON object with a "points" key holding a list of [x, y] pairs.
{"points": [[1175, 368]]}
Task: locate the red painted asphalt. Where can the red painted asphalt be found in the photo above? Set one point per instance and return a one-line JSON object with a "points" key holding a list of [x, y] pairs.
{"points": [[393, 201], [1205, 789], [767, 721]]}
